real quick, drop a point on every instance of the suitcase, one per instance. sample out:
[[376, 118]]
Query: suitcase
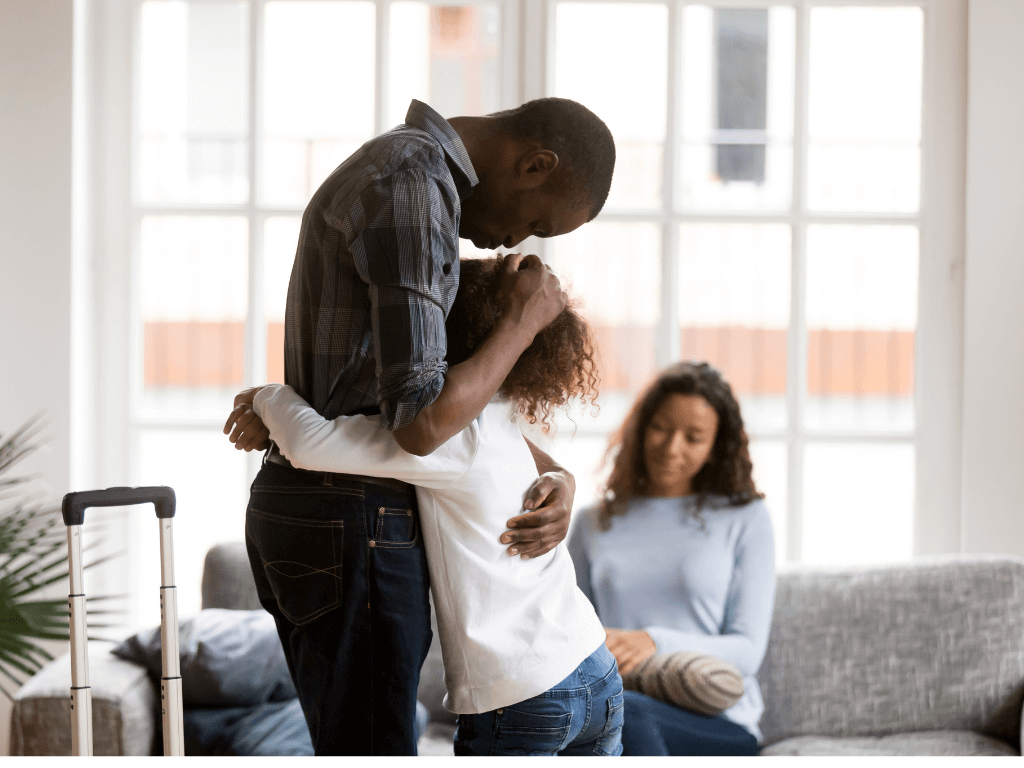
[[73, 509]]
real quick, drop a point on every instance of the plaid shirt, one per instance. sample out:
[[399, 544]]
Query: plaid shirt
[[375, 273]]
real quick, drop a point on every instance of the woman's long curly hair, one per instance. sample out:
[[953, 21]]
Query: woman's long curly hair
[[558, 366], [727, 472]]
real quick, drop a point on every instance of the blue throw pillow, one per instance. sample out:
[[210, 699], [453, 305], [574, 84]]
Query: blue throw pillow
[[228, 658]]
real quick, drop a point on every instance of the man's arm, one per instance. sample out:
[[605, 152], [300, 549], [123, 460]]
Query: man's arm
[[550, 501], [534, 298]]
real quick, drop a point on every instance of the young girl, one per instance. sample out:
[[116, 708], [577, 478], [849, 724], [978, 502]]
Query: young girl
[[526, 667]]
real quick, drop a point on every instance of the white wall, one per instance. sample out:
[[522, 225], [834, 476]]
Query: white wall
[[993, 327], [993, 429], [993, 434], [35, 234]]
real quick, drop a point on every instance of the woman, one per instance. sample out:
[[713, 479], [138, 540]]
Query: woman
[[526, 667], [679, 556]]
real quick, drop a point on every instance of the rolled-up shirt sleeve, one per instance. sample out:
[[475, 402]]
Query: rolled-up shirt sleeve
[[406, 250]]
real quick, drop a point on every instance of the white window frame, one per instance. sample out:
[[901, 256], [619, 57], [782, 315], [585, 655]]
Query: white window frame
[[255, 212], [938, 348], [527, 40]]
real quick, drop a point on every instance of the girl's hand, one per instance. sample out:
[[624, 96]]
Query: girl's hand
[[629, 648], [244, 428]]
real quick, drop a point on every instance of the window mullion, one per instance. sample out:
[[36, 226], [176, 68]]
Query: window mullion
[[511, 53], [668, 342], [538, 56], [255, 332], [796, 357], [381, 65]]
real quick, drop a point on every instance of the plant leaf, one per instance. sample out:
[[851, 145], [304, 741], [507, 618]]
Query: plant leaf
[[33, 555]]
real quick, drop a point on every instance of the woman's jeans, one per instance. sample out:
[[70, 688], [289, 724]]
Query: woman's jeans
[[655, 728], [340, 565], [582, 715]]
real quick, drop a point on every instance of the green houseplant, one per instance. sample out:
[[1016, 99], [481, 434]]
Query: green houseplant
[[33, 555]]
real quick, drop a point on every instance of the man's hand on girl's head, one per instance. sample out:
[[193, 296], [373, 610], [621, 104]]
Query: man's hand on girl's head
[[530, 294]]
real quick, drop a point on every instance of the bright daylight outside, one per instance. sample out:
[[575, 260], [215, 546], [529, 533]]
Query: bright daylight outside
[[764, 216]]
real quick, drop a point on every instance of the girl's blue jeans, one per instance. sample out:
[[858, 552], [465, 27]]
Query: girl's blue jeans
[[582, 715]]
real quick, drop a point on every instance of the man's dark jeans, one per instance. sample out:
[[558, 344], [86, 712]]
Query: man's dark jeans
[[340, 565]]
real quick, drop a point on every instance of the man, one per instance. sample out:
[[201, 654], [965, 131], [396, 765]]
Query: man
[[338, 559]]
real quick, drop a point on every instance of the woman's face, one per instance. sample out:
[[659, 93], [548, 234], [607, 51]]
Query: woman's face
[[677, 444]]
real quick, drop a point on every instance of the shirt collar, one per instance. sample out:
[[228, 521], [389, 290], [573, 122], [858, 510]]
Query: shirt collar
[[425, 118]]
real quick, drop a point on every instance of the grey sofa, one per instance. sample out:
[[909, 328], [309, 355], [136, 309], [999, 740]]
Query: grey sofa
[[125, 700], [921, 658]]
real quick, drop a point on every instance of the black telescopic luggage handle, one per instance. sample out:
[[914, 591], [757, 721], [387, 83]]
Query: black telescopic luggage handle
[[73, 510], [76, 503]]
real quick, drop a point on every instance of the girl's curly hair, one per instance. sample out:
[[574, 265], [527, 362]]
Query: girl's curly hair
[[728, 469], [558, 366]]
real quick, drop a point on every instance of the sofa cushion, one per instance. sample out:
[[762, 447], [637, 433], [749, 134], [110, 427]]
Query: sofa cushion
[[123, 701], [935, 644], [227, 578], [272, 729], [228, 658], [923, 743]]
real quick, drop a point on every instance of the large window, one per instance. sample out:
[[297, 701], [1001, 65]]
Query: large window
[[766, 215], [240, 111]]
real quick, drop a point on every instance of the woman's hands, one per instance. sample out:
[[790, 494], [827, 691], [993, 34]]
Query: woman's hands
[[629, 648], [244, 428]]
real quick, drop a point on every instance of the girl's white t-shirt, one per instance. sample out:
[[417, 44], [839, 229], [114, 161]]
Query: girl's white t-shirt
[[510, 629]]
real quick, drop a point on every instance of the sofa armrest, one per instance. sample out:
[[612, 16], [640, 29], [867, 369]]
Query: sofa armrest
[[125, 707]]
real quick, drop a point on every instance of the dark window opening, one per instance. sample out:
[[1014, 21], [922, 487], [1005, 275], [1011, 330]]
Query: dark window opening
[[741, 41]]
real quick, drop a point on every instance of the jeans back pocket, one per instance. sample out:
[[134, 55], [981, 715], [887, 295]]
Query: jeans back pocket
[[534, 727], [609, 743], [302, 560], [395, 527]]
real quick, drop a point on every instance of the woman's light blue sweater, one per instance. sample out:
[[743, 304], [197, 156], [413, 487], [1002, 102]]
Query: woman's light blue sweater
[[709, 589]]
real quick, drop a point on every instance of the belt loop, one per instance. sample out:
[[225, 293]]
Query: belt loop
[[327, 479]]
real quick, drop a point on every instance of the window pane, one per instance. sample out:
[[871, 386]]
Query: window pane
[[734, 310], [193, 303], [280, 238], [615, 270], [861, 318], [770, 459], [858, 503], [624, 83], [193, 102], [210, 483], [445, 55], [318, 100], [736, 99], [865, 109]]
